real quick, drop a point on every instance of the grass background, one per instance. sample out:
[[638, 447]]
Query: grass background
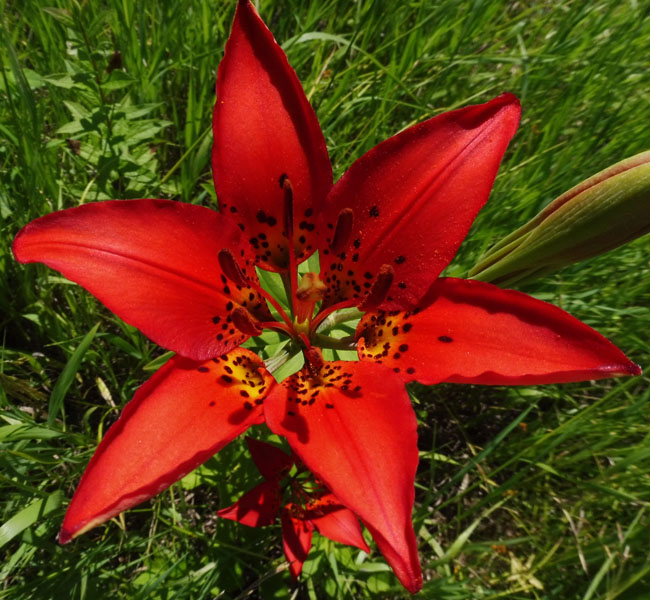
[[530, 492]]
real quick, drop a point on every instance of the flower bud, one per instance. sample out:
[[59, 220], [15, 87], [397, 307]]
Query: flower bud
[[601, 213]]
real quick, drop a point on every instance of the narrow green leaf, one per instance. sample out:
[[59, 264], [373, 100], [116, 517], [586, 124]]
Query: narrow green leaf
[[67, 376], [28, 516]]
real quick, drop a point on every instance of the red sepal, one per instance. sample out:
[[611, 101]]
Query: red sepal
[[270, 461], [414, 198], [296, 540], [468, 331], [264, 129], [336, 522], [154, 264], [177, 420], [353, 426], [257, 507]]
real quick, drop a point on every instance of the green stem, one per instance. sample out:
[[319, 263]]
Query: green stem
[[340, 316], [324, 341]]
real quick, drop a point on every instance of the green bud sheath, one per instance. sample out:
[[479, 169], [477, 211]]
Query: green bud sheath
[[601, 213]]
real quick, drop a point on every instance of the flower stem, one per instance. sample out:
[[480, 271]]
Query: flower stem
[[325, 341], [342, 316]]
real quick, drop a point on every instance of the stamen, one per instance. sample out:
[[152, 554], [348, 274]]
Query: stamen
[[233, 272], [314, 357], [231, 269], [342, 231], [242, 320], [379, 289], [285, 184]]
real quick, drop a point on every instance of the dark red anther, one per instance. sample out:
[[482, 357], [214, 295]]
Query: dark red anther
[[231, 269], [342, 231], [379, 289], [314, 358], [243, 321], [285, 184]]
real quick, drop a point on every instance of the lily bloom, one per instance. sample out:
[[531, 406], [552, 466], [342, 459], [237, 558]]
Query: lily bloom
[[184, 275], [312, 506]]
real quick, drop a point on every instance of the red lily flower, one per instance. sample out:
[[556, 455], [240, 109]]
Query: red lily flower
[[315, 508], [184, 275]]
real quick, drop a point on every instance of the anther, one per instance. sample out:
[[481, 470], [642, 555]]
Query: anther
[[379, 289], [314, 359], [342, 231], [242, 320], [285, 184], [231, 269]]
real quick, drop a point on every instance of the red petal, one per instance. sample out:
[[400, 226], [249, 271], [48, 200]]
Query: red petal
[[153, 263], [354, 428], [469, 331], [257, 507], [264, 128], [177, 420], [271, 462], [296, 539], [336, 522], [414, 198]]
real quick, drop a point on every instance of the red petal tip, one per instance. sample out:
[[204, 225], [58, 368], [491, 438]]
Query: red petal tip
[[64, 537], [629, 368]]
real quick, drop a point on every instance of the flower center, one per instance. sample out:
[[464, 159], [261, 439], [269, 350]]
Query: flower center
[[299, 322]]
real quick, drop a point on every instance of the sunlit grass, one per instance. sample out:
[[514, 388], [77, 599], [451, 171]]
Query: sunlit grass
[[533, 492]]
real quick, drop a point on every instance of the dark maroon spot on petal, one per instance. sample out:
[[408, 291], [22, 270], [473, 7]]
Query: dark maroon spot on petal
[[248, 406], [400, 259], [244, 394], [271, 221], [212, 403], [403, 347], [374, 212], [410, 370], [445, 339], [407, 327], [282, 178], [233, 209], [328, 405], [226, 379], [261, 216], [215, 320], [229, 306], [203, 370]]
